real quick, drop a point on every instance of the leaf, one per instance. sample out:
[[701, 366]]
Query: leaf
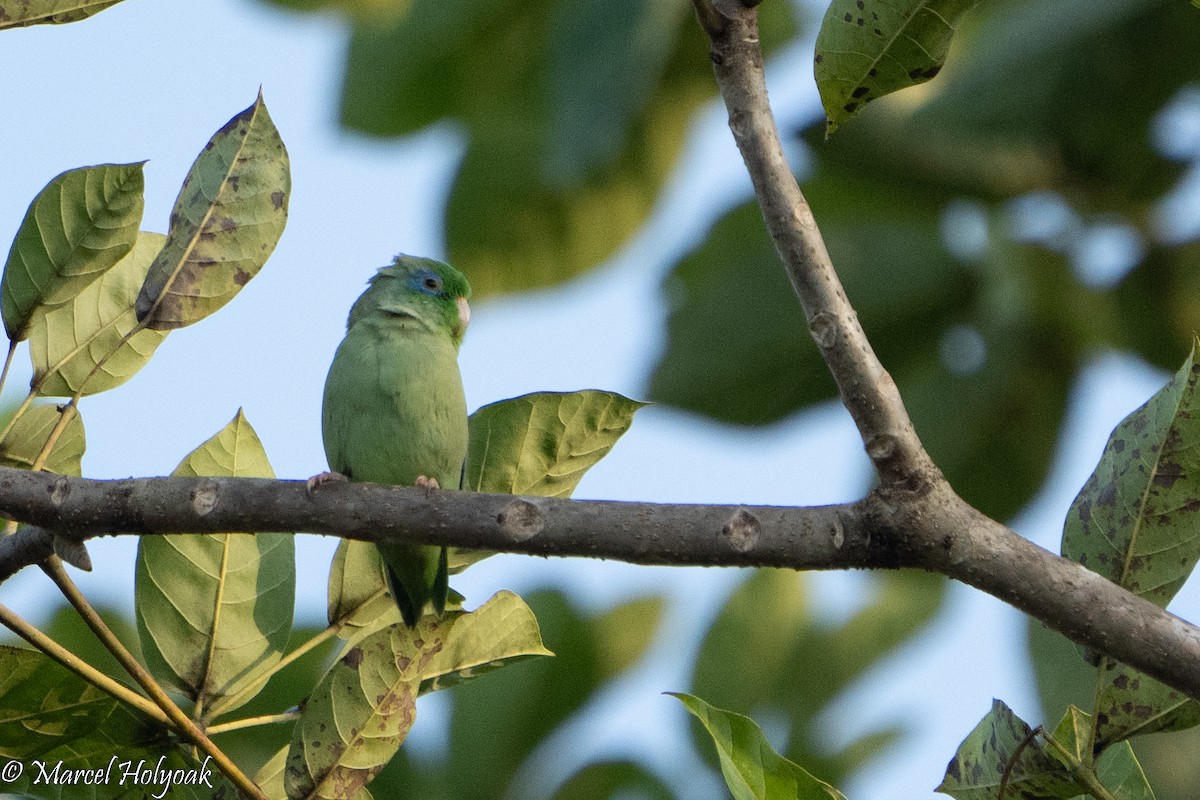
[[215, 610], [1120, 773], [43, 706], [772, 610], [977, 769], [358, 716], [627, 631], [227, 219], [1074, 732], [365, 11], [502, 631], [738, 348], [498, 723], [1082, 81], [82, 223], [1135, 520], [613, 779], [29, 434], [68, 341], [557, 174], [358, 594], [539, 444], [21, 13], [53, 720], [1130, 704], [592, 99], [869, 48], [543, 443], [269, 777], [752, 768]]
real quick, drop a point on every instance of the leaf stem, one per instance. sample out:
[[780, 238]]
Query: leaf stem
[[12, 349], [1083, 774], [234, 700], [11, 620], [21, 409], [250, 722]]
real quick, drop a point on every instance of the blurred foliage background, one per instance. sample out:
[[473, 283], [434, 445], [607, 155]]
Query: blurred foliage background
[[995, 229]]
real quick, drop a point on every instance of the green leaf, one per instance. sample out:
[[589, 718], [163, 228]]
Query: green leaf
[[869, 48], [540, 444], [613, 779], [752, 768], [977, 769], [1120, 773], [557, 175], [500, 632], [43, 706], [365, 11], [358, 595], [227, 219], [1130, 704], [82, 223], [1081, 81], [1074, 732], [20, 13], [627, 631], [1135, 521], [28, 435], [269, 777], [592, 99], [498, 723], [53, 716], [543, 443], [68, 341], [215, 610], [772, 610], [358, 716]]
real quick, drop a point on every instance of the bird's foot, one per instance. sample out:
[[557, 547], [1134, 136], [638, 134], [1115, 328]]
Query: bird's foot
[[430, 485], [316, 481]]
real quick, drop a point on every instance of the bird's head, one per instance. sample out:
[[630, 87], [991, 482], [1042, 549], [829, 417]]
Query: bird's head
[[418, 291]]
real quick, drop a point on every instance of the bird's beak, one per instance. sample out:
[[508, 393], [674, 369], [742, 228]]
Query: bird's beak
[[464, 313]]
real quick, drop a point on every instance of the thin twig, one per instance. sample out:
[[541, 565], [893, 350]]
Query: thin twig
[[250, 722], [235, 700], [12, 349]]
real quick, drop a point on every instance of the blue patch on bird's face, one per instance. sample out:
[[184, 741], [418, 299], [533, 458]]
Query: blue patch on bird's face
[[426, 281]]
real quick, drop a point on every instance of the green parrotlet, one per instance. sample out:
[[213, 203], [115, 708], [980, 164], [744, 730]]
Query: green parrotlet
[[394, 410]]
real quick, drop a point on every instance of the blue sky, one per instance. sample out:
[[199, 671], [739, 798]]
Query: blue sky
[[152, 80]]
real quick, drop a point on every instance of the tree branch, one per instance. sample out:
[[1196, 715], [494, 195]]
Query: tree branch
[[867, 390], [891, 528], [916, 512]]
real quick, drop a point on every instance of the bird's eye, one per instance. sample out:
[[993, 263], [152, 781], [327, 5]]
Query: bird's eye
[[433, 283]]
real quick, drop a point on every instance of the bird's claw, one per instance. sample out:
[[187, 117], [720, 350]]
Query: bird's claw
[[430, 485], [316, 481]]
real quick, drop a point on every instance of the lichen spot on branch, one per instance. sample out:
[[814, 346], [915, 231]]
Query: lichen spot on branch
[[521, 520], [742, 530]]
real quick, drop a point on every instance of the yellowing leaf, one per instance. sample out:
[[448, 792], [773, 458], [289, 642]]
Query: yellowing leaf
[[500, 632], [22, 13], [226, 221]]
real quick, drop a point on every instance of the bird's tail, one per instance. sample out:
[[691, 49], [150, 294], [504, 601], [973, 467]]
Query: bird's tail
[[413, 584]]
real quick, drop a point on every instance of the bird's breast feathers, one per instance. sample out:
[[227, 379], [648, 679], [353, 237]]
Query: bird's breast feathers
[[394, 409]]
